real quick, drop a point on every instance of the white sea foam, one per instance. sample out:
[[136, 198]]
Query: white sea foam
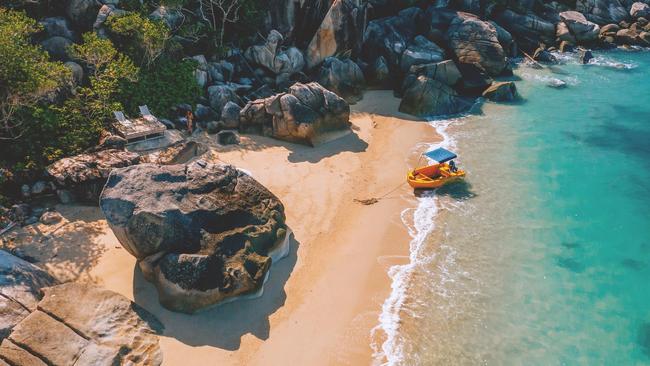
[[420, 222]]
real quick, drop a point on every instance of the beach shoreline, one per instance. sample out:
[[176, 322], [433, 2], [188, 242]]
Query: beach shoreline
[[322, 301]]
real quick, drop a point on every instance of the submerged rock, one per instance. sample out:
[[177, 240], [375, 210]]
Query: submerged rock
[[302, 115], [202, 233], [82, 325]]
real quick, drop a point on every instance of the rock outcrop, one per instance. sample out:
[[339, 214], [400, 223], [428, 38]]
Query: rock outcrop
[[421, 51], [82, 325], [20, 290], [84, 175], [580, 28], [475, 42], [529, 28], [341, 30], [342, 77], [504, 91], [638, 10], [602, 11], [388, 37], [273, 59], [301, 115], [202, 233], [427, 97]]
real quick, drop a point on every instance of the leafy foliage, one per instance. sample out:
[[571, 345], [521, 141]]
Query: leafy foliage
[[163, 86], [140, 38], [26, 74]]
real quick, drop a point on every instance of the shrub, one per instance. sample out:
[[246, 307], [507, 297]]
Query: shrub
[[142, 39]]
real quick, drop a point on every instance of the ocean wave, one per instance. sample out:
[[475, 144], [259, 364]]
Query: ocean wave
[[420, 222]]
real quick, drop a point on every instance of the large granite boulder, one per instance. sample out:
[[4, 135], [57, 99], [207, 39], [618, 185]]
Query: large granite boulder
[[388, 37], [57, 26], [220, 95], [343, 77], [602, 11], [302, 115], [582, 29], [171, 16], [529, 29], [341, 30], [20, 287], [475, 42], [504, 91], [445, 72], [57, 47], [272, 58], [81, 325], [202, 233], [427, 97], [84, 175], [421, 51], [638, 10], [82, 13]]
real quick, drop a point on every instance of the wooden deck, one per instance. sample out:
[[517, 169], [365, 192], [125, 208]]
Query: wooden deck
[[140, 129]]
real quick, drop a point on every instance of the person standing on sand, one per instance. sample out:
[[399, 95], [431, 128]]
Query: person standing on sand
[[189, 117]]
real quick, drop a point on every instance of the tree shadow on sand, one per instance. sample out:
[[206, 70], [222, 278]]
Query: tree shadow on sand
[[222, 326]]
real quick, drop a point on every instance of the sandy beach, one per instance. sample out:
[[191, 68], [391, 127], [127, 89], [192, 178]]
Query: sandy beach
[[321, 301]]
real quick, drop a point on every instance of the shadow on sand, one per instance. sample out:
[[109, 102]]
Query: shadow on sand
[[224, 325]]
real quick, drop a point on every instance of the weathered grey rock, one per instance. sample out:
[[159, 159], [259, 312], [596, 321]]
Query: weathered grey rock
[[388, 37], [505, 39], [227, 137], [639, 10], [426, 97], [556, 84], [85, 174], [82, 325], [204, 113], [57, 48], [20, 285], [602, 11], [202, 232], [529, 29], [475, 42], [104, 12], [230, 115], [609, 30], [82, 13], [381, 72], [110, 141], [585, 56], [566, 47], [504, 91], [57, 27], [446, 72], [77, 72], [543, 55], [273, 59], [627, 37], [170, 15], [421, 51], [582, 29], [220, 95], [343, 77], [341, 30], [201, 78], [39, 187], [51, 218], [564, 34], [302, 115]]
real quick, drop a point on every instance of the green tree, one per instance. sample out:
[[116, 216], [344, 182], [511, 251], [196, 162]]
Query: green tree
[[144, 40], [26, 74]]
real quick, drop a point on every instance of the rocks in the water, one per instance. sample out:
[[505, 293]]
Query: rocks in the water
[[202, 233], [505, 91], [602, 11], [421, 51], [82, 325], [475, 42], [85, 174], [556, 84], [627, 36], [20, 290], [582, 29], [543, 55], [341, 30], [273, 59], [639, 10], [303, 114], [427, 97], [585, 56], [343, 77], [227, 137]]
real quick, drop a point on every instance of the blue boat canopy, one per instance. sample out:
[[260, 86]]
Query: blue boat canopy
[[440, 155]]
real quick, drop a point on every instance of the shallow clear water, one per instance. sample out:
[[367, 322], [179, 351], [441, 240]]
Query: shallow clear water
[[543, 257]]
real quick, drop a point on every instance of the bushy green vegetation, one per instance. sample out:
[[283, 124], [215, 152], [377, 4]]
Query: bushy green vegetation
[[143, 40]]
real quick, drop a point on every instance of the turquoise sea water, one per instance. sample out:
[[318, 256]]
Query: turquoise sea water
[[543, 257]]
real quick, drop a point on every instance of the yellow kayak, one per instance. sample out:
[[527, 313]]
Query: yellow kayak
[[433, 176]]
